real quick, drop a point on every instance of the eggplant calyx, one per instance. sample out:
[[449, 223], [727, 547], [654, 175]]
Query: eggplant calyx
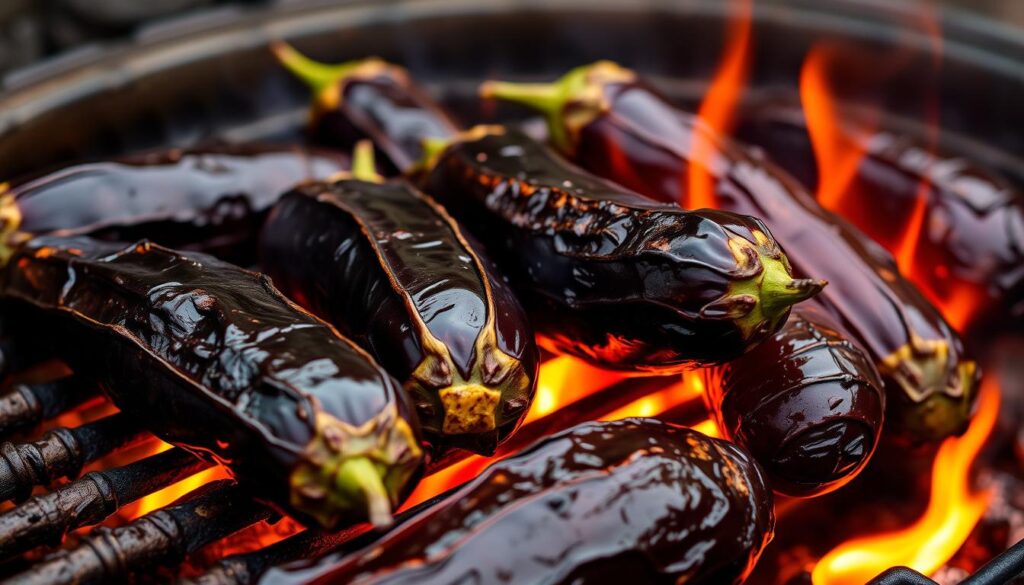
[[10, 221], [569, 104], [936, 399], [324, 79], [759, 300], [434, 148], [469, 408], [355, 473]]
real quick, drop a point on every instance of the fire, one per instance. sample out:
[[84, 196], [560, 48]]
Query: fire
[[718, 108], [566, 380], [658, 402], [837, 152], [906, 249], [953, 511], [172, 492]]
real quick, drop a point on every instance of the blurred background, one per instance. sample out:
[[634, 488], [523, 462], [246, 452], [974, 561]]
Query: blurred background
[[33, 29]]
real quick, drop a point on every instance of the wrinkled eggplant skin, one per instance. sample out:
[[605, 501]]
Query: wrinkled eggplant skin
[[209, 356], [644, 147], [389, 109], [972, 234], [588, 257], [635, 499], [212, 200], [808, 404], [317, 247]]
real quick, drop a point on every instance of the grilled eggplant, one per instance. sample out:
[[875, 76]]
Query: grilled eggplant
[[615, 125], [611, 276], [970, 248], [369, 98], [211, 200], [213, 358], [393, 271], [635, 499], [808, 404]]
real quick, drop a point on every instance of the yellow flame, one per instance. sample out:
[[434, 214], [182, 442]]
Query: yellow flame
[[953, 511], [564, 380]]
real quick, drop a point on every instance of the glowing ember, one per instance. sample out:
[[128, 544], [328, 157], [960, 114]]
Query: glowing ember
[[172, 492], [656, 402], [718, 108], [564, 380], [953, 511]]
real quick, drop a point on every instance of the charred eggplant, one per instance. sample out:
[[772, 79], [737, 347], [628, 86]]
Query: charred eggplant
[[610, 276], [635, 499], [393, 271], [614, 124], [211, 200], [972, 236], [808, 404], [213, 358]]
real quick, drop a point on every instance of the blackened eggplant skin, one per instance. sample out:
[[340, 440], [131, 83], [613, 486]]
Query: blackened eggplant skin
[[972, 227], [615, 125], [211, 200], [212, 358], [631, 500], [393, 271], [610, 276], [807, 404], [369, 98]]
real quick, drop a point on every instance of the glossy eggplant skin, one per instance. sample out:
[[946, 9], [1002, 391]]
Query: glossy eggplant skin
[[635, 499], [393, 271], [212, 358], [369, 99], [971, 244], [807, 404], [625, 130], [608, 275], [211, 200]]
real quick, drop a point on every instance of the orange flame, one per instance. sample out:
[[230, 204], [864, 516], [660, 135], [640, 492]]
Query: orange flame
[[564, 378], [906, 249], [953, 511], [169, 494], [837, 153], [717, 110]]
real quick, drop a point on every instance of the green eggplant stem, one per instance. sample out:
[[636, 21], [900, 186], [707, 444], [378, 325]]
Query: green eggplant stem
[[549, 99], [318, 76], [775, 291], [360, 479], [364, 166]]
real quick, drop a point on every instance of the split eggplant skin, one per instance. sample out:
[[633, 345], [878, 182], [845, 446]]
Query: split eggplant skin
[[212, 200], [632, 500], [394, 272], [612, 123], [808, 404], [608, 275], [212, 358], [973, 223]]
